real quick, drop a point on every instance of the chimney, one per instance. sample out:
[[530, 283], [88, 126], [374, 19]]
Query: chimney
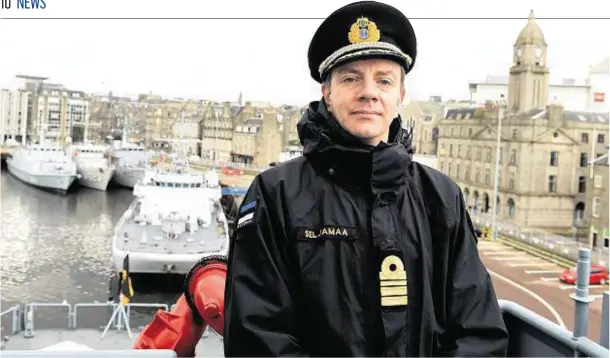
[[554, 113]]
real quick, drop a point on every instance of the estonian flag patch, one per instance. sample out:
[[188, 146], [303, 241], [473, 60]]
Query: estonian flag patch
[[246, 214]]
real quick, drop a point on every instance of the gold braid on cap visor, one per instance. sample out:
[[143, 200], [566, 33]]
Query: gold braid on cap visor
[[364, 48]]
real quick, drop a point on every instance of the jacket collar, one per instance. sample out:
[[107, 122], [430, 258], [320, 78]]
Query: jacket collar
[[347, 160]]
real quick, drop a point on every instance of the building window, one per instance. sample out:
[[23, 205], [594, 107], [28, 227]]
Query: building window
[[511, 208], [597, 181], [488, 155], [511, 181], [582, 184], [513, 156], [451, 149], [457, 172], [478, 153], [601, 138], [487, 176], [449, 169], [476, 175], [552, 183], [554, 159], [595, 209], [579, 211], [467, 172], [584, 137], [468, 153], [583, 160]]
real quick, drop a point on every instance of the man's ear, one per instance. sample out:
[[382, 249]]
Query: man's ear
[[325, 89], [403, 93]]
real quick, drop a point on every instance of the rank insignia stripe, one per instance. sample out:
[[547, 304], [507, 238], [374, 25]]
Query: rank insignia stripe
[[393, 291], [327, 232], [394, 301], [393, 282]]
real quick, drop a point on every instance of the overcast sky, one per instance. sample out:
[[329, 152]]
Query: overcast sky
[[266, 59]]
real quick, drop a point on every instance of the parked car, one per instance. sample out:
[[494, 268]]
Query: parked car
[[598, 275]]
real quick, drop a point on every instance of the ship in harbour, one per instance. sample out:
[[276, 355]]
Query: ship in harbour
[[176, 218], [94, 165], [131, 163], [45, 165]]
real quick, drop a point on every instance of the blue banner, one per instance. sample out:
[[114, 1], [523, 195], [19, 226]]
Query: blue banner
[[234, 191]]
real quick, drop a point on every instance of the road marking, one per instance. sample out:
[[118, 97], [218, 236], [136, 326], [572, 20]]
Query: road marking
[[491, 248], [573, 287], [529, 264], [529, 292], [549, 279], [513, 258], [530, 272], [490, 245], [501, 253]]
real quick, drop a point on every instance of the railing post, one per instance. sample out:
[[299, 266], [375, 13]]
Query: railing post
[[603, 338], [29, 321], [581, 296]]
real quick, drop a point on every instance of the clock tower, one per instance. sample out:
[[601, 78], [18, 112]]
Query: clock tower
[[528, 85]]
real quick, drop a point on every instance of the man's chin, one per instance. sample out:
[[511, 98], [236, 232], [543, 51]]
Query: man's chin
[[366, 136]]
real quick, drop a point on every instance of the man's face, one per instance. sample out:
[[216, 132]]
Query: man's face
[[364, 96]]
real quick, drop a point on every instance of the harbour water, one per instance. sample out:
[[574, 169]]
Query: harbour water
[[58, 247]]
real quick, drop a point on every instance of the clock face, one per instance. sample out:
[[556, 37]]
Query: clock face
[[537, 52]]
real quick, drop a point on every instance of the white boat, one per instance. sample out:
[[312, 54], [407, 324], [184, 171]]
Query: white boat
[[132, 163], [94, 164], [47, 166], [176, 219]]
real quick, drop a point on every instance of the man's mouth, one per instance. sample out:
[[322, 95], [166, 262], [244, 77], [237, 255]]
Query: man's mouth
[[366, 113]]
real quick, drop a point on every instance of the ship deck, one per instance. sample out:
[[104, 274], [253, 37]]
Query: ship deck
[[210, 346], [210, 237], [20, 333]]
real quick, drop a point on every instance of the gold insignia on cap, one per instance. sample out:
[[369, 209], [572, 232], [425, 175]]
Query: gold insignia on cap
[[393, 282], [363, 30]]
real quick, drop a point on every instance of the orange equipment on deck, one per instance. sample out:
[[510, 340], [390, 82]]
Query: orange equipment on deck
[[202, 304]]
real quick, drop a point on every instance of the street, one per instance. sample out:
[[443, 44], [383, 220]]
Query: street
[[534, 284]]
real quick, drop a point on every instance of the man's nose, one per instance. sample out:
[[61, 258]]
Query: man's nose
[[369, 90]]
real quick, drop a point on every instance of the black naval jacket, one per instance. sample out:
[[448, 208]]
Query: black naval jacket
[[304, 275]]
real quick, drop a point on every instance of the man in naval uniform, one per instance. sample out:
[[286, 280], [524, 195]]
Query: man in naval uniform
[[354, 249]]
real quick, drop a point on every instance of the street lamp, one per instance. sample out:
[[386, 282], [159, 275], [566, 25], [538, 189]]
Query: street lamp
[[497, 172]]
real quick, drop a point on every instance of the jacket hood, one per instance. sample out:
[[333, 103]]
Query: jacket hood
[[324, 141]]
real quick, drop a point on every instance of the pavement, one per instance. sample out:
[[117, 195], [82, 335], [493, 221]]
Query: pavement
[[534, 284]]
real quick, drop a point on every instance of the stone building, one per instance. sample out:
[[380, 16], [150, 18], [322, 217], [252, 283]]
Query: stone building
[[544, 150], [597, 207]]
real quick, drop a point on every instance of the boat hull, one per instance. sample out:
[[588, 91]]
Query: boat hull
[[155, 263], [92, 177], [128, 177], [60, 182]]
